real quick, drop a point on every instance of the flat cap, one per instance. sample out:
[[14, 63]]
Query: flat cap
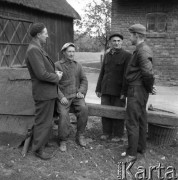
[[66, 45], [138, 28], [36, 28], [115, 34]]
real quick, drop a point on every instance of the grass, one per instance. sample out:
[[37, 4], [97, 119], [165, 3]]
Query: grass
[[96, 65], [88, 57]]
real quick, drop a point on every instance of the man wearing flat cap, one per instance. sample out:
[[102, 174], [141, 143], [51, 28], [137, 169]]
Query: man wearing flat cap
[[140, 80], [111, 86], [72, 90], [44, 88]]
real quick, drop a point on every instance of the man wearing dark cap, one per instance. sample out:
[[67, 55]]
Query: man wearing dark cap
[[72, 90], [140, 79], [111, 86], [44, 88]]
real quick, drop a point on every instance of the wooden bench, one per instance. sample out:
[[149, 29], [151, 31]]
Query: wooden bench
[[162, 126], [17, 105], [161, 118]]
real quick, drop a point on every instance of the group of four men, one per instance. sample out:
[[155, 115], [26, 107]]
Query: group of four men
[[122, 75]]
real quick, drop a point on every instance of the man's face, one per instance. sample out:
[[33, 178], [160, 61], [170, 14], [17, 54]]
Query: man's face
[[133, 38], [116, 42], [69, 53], [43, 35]]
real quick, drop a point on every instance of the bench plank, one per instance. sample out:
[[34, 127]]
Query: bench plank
[[162, 118]]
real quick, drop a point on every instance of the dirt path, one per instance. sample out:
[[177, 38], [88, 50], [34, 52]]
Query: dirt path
[[96, 162], [166, 97]]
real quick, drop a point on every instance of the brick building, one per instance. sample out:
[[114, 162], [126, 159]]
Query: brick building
[[161, 20]]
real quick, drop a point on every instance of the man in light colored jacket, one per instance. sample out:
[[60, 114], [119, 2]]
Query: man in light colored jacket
[[72, 90]]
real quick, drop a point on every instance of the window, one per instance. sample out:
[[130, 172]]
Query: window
[[156, 22], [14, 40]]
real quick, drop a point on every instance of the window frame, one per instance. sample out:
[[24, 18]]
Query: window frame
[[156, 15], [7, 44]]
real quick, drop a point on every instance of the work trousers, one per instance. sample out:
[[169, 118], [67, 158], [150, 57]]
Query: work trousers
[[136, 119], [80, 110], [110, 126], [43, 123]]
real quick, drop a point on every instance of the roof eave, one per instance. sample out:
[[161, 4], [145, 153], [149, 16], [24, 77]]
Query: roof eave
[[74, 15]]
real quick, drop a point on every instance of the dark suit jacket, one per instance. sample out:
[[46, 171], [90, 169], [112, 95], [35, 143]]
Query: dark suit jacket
[[140, 68], [111, 80], [42, 72]]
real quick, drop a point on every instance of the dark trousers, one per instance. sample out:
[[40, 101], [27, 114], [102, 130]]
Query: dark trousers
[[136, 119], [81, 112], [43, 123], [110, 126]]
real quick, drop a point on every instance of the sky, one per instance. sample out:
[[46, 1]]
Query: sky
[[79, 5]]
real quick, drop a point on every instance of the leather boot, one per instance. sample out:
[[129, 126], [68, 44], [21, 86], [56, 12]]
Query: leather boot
[[63, 146], [49, 145], [42, 155], [104, 137], [129, 159], [81, 140], [116, 139]]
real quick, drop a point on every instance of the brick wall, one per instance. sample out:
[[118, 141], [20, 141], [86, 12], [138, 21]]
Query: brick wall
[[165, 47]]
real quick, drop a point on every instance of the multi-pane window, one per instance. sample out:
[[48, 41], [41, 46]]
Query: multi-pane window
[[14, 40], [156, 22]]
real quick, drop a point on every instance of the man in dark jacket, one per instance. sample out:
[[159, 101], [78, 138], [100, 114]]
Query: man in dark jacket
[[44, 88], [111, 85], [140, 79], [72, 90]]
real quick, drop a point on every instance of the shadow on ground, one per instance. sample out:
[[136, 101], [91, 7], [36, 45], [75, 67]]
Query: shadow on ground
[[98, 161]]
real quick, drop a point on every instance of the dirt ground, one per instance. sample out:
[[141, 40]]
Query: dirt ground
[[98, 161]]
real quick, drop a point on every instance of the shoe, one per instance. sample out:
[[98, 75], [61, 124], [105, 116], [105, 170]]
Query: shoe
[[49, 145], [42, 155], [104, 137], [81, 140], [116, 139], [141, 151], [128, 159], [63, 146]]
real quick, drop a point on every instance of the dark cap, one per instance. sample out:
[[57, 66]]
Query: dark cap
[[66, 45], [138, 28], [115, 34], [36, 28]]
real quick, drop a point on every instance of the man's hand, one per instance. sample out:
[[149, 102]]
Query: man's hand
[[60, 77], [80, 95], [64, 101], [154, 91], [98, 94], [59, 73]]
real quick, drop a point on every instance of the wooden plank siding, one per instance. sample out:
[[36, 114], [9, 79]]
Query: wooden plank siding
[[60, 28]]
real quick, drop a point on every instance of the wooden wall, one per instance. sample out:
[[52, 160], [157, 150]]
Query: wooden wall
[[60, 28]]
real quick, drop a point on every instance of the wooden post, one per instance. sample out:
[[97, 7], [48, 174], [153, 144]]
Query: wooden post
[[101, 59]]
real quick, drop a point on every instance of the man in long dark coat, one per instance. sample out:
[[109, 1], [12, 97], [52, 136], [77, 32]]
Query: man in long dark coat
[[44, 88], [111, 85]]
